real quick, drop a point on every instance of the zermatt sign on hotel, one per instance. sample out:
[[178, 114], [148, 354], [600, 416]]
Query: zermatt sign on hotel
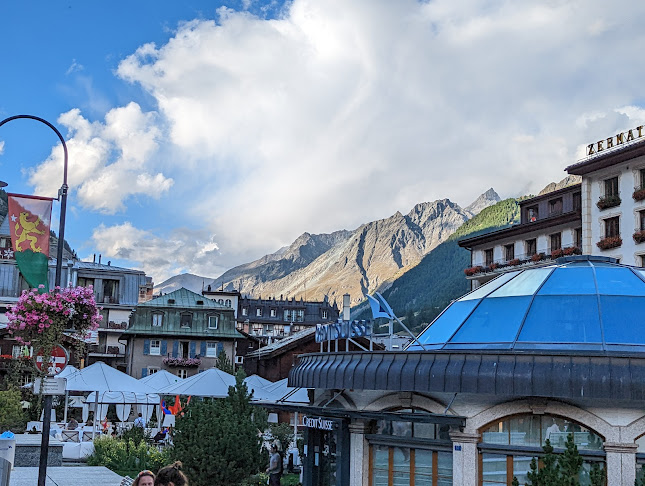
[[616, 140]]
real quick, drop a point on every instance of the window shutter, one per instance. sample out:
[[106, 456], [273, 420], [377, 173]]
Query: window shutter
[[202, 349], [144, 372], [146, 346], [192, 349], [164, 347], [220, 348], [175, 349]]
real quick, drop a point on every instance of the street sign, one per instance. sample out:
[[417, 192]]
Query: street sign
[[50, 386], [57, 363]]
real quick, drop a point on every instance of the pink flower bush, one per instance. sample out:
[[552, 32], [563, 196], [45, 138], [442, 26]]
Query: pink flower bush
[[41, 319], [187, 362]]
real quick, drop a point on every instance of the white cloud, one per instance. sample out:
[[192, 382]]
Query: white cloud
[[162, 256], [107, 162], [74, 67]]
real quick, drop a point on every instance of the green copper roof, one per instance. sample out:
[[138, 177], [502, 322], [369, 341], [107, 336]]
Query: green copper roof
[[185, 299]]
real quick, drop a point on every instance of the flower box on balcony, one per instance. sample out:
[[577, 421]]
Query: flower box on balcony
[[514, 262], [493, 266], [610, 242], [572, 250], [608, 202], [639, 194], [557, 253], [473, 270], [538, 257], [639, 236], [183, 362]]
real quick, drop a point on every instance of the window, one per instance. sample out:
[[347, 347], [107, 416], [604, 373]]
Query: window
[[509, 252], [152, 370], [324, 314], [555, 206], [228, 303], [273, 312], [111, 291], [278, 330], [186, 320], [532, 214], [258, 329], [577, 201], [531, 247], [641, 220], [642, 260], [577, 237], [641, 179], [488, 256], [17, 351], [183, 349], [85, 282], [155, 347], [245, 311], [556, 241], [183, 374], [258, 312], [211, 350], [427, 467], [157, 319], [300, 315], [612, 227], [611, 187], [220, 301], [212, 322]]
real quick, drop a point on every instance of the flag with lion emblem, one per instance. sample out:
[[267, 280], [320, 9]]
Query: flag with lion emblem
[[30, 218]]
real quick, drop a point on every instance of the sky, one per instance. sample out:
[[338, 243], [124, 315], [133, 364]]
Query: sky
[[203, 135]]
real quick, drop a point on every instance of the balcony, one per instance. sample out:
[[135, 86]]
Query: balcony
[[520, 261], [182, 362], [610, 242], [105, 350]]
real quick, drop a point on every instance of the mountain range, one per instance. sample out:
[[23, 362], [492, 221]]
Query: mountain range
[[357, 262]]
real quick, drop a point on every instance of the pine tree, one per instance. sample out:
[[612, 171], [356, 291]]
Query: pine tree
[[570, 464], [549, 473], [224, 364], [597, 475]]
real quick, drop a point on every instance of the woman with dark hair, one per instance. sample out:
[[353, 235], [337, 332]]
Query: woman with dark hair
[[171, 476], [144, 478]]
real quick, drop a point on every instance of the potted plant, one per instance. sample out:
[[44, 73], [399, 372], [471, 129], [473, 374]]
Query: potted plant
[[557, 253], [572, 250], [514, 262], [40, 319], [639, 236], [608, 202], [639, 194], [473, 270], [536, 257], [185, 362], [610, 242]]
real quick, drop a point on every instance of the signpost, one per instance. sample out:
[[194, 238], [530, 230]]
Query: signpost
[[57, 363]]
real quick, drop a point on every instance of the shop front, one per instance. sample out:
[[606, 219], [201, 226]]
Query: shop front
[[326, 451]]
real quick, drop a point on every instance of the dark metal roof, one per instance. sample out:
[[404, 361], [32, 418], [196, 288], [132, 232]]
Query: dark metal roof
[[607, 158], [556, 375]]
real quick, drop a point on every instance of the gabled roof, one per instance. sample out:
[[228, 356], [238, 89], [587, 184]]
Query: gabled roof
[[283, 344], [185, 299]]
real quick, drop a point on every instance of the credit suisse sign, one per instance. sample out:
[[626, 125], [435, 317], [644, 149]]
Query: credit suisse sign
[[317, 423], [343, 330]]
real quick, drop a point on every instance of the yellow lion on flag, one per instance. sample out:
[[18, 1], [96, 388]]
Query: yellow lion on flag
[[28, 227]]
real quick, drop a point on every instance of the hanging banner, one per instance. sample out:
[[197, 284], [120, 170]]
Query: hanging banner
[[30, 220]]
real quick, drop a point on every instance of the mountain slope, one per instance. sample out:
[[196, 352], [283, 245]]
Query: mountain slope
[[425, 290]]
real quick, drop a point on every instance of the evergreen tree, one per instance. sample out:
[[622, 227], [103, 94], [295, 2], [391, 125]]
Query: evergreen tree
[[224, 364], [219, 441], [549, 473], [597, 475], [570, 464], [11, 414]]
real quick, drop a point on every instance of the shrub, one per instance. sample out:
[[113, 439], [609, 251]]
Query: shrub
[[11, 415], [125, 457]]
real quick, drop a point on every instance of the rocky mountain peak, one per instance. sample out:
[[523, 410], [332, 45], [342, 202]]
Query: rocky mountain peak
[[566, 182], [486, 199]]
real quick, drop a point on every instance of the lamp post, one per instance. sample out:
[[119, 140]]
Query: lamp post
[[62, 194]]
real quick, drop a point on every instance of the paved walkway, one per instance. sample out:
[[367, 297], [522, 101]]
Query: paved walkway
[[66, 476]]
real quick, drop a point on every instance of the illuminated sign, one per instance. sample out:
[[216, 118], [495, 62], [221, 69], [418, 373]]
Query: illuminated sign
[[317, 423], [343, 330], [615, 141]]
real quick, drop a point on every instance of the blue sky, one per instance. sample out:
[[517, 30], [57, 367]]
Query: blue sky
[[203, 135]]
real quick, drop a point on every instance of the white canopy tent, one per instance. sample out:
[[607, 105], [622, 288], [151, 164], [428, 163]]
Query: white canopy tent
[[210, 383], [160, 379], [258, 386], [288, 394]]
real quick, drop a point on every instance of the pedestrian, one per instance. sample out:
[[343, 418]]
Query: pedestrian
[[171, 476], [139, 422], [275, 466], [144, 478]]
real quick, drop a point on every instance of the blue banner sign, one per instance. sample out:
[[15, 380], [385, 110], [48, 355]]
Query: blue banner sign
[[343, 330]]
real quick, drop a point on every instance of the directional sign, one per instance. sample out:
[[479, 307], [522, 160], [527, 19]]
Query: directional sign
[[57, 363], [50, 386]]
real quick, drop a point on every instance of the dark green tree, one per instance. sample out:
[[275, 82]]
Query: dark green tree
[[640, 478], [224, 364], [549, 473], [11, 414], [219, 440], [597, 475], [570, 463]]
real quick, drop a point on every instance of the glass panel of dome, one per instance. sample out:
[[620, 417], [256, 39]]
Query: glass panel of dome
[[488, 287], [619, 281], [567, 280], [494, 320], [562, 319], [524, 284], [620, 318], [447, 323]]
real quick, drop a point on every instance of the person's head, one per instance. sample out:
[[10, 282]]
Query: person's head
[[144, 478], [274, 448], [140, 415], [171, 476]]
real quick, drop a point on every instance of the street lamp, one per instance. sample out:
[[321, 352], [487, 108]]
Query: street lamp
[[62, 195]]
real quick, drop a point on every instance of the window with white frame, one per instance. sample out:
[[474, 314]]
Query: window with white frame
[[273, 312], [212, 322], [183, 374], [245, 311], [157, 320], [152, 370], [258, 312], [155, 347], [228, 303], [211, 350], [324, 314], [16, 351], [300, 315]]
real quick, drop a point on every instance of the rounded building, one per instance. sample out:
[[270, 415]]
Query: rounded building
[[535, 354]]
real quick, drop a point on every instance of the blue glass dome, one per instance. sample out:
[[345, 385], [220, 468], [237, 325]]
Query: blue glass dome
[[578, 303]]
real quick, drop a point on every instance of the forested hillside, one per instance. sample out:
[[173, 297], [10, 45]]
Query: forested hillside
[[425, 290]]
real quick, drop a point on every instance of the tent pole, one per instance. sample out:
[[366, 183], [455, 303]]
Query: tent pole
[[96, 406], [65, 412]]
